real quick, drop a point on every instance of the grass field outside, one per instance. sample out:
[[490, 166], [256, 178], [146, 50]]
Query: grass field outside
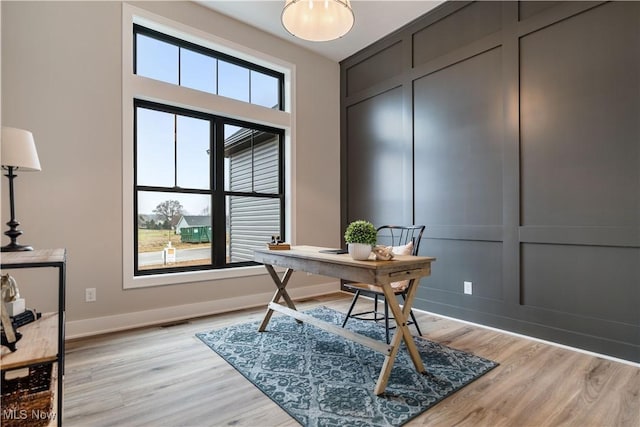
[[156, 240]]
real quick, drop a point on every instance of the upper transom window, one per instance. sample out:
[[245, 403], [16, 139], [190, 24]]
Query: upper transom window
[[171, 60]]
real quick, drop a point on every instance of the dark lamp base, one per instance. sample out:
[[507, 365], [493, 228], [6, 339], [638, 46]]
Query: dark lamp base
[[14, 247]]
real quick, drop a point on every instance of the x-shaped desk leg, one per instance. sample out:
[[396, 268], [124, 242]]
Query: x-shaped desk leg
[[280, 293], [402, 333]]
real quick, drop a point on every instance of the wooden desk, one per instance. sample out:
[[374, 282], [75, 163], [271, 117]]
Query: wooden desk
[[380, 273]]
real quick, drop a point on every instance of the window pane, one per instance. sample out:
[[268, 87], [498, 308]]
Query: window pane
[[197, 71], [264, 90], [193, 136], [266, 173], [251, 160], [155, 148], [238, 158], [156, 59], [233, 81], [251, 223], [182, 219]]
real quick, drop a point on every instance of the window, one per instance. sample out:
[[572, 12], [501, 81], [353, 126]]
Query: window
[[203, 174], [190, 216], [171, 60]]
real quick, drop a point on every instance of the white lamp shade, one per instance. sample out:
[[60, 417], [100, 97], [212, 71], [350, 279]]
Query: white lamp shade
[[317, 20], [19, 150]]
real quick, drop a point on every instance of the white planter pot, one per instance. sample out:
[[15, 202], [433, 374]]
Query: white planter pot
[[359, 251]]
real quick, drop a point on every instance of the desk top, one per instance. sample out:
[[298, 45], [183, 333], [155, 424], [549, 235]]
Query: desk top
[[342, 266]]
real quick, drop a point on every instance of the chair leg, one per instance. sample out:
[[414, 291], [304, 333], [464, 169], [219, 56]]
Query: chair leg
[[415, 322], [375, 308], [413, 317], [386, 320], [353, 304]]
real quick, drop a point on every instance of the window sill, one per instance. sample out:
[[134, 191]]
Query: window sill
[[192, 277]]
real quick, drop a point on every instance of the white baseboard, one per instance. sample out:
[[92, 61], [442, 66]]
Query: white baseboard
[[119, 322]]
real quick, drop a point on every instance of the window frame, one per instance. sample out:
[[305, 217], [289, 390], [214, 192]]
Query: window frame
[[140, 29], [217, 193], [139, 87]]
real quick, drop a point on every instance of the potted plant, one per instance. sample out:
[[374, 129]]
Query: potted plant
[[361, 236]]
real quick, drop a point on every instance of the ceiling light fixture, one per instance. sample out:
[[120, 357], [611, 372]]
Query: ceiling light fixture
[[317, 20]]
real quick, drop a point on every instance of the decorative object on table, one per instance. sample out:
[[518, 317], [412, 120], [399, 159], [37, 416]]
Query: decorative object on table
[[276, 244], [403, 240], [8, 293], [21, 319], [279, 246], [360, 236], [28, 316], [383, 253], [4, 339], [320, 378], [11, 296], [317, 20], [18, 153]]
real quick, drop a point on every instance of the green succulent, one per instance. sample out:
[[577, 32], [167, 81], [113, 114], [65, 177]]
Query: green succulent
[[361, 231]]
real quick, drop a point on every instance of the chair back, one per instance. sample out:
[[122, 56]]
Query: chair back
[[399, 235]]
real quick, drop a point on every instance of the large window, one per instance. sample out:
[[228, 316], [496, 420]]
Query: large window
[[207, 180], [208, 189]]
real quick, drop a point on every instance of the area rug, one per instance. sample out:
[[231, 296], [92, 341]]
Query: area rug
[[322, 379]]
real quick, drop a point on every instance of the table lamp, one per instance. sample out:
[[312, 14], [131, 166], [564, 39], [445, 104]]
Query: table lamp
[[18, 153]]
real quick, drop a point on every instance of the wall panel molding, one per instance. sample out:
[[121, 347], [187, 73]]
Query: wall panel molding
[[489, 233], [471, 22], [461, 54], [384, 65], [373, 91], [590, 236], [549, 16]]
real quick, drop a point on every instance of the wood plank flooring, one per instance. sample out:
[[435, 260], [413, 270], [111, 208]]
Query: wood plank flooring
[[165, 376]]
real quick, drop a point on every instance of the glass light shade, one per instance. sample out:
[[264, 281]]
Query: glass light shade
[[19, 150], [317, 20]]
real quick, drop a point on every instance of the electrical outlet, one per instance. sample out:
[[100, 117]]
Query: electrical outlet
[[468, 288], [90, 294]]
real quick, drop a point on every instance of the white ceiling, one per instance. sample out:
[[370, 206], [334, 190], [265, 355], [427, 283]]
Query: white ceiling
[[374, 20]]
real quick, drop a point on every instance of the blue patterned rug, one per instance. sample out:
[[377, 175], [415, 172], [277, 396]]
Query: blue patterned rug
[[322, 379]]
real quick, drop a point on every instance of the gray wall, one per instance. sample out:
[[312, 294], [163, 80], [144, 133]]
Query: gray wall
[[512, 131]]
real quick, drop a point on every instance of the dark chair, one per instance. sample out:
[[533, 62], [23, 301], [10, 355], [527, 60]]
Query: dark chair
[[406, 241]]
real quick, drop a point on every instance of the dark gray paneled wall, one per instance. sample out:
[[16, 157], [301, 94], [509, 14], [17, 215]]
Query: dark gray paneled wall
[[388, 183], [512, 130]]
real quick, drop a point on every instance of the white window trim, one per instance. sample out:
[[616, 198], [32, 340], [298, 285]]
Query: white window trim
[[134, 86]]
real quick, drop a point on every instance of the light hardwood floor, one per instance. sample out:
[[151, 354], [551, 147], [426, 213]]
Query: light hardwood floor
[[165, 376]]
